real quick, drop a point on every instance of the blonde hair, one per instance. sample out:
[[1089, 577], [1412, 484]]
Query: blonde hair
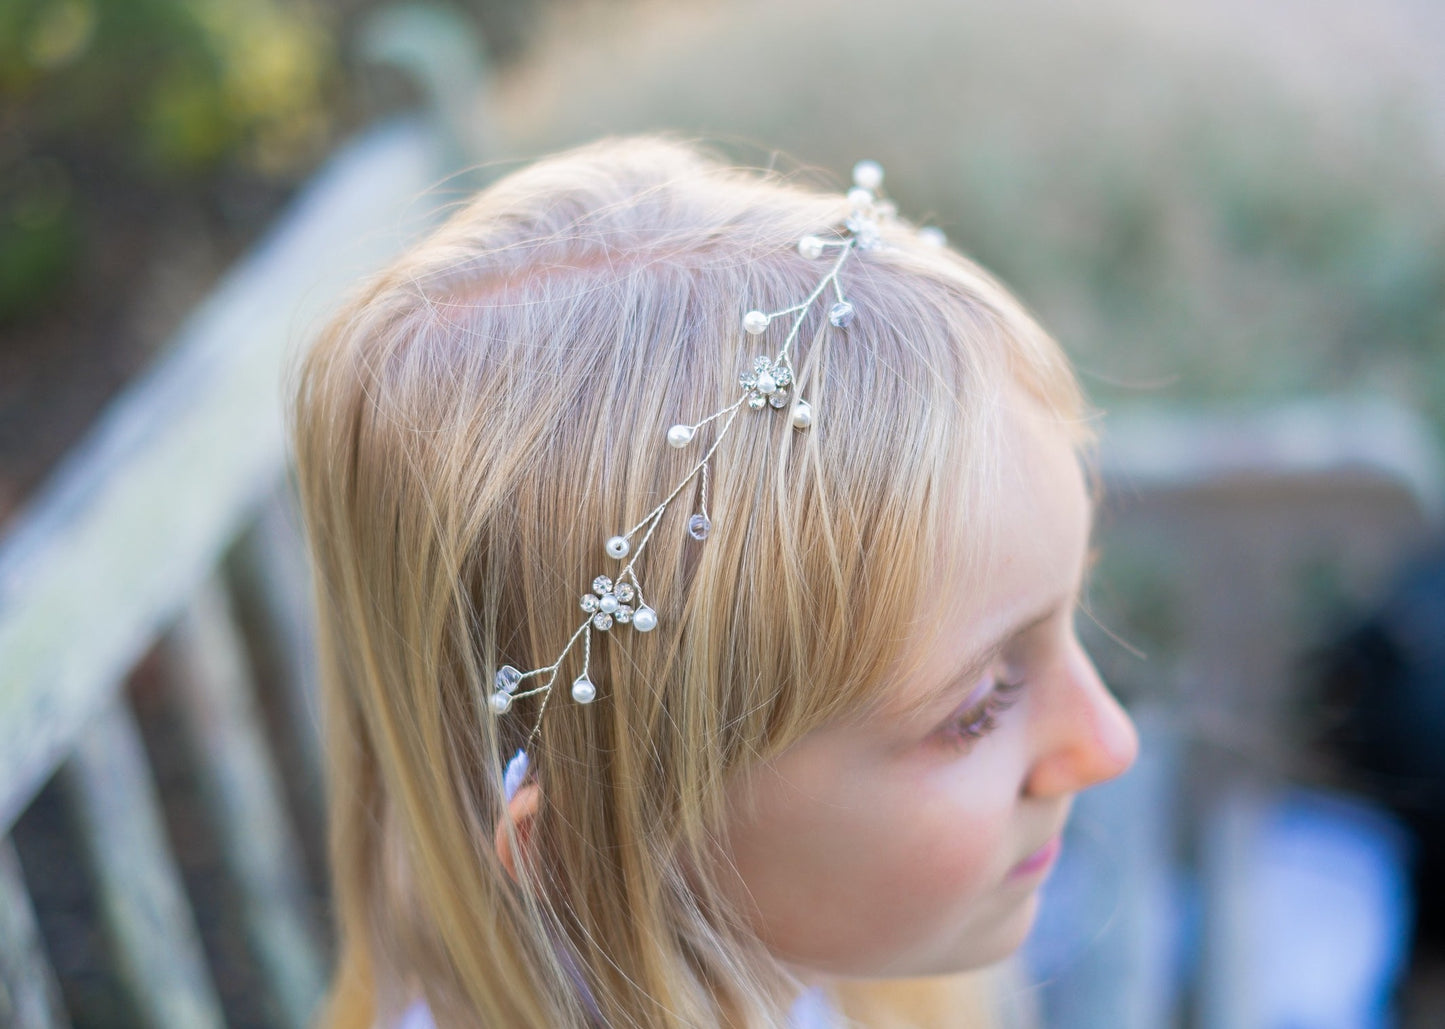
[[468, 432]]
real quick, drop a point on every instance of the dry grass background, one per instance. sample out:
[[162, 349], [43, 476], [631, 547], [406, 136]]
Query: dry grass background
[[1223, 200]]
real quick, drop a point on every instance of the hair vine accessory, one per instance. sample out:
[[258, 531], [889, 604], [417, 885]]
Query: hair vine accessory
[[770, 384]]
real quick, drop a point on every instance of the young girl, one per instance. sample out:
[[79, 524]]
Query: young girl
[[785, 642]]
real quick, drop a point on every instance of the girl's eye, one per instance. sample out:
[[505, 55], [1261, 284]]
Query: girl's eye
[[981, 719]]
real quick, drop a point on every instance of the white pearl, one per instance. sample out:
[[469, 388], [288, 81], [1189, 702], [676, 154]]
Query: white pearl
[[868, 175], [679, 435], [859, 198], [802, 414], [607, 604], [644, 619], [583, 691], [755, 322], [810, 247], [766, 383], [932, 235], [501, 702], [618, 546]]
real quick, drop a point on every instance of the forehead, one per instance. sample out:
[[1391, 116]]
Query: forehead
[[1021, 541]]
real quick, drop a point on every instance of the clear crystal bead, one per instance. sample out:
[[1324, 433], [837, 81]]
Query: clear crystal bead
[[624, 592], [589, 603], [698, 526], [508, 678], [602, 621], [601, 585], [841, 314], [623, 614]]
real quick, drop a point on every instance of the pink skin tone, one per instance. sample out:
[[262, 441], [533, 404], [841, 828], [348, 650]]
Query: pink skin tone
[[913, 845]]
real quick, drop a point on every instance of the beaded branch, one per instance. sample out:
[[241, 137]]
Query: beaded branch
[[770, 384]]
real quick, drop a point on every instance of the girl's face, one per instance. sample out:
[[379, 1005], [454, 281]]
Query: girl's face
[[914, 844]]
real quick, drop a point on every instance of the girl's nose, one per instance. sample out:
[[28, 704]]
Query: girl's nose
[[1087, 737]]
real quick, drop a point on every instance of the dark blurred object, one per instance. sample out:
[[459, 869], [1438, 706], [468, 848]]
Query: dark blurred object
[[1384, 681]]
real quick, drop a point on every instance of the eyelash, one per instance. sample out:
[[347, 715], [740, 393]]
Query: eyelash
[[981, 719]]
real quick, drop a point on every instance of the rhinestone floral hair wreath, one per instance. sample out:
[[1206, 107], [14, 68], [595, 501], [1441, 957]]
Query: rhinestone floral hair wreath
[[770, 384]]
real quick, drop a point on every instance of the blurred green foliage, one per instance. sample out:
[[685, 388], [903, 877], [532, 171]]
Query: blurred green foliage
[[165, 91]]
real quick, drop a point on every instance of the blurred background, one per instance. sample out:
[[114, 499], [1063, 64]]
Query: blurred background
[[1229, 212]]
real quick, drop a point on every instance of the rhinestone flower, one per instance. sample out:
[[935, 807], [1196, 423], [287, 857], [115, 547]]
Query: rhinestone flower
[[767, 383], [608, 602]]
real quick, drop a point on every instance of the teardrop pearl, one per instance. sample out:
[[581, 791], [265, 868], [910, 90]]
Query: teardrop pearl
[[802, 414], [679, 435], [583, 691], [766, 383]]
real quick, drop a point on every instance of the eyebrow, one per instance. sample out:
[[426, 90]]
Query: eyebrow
[[979, 662]]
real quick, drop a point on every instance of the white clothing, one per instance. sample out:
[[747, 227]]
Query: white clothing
[[810, 1011]]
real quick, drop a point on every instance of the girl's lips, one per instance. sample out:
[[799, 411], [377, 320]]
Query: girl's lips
[[1039, 860]]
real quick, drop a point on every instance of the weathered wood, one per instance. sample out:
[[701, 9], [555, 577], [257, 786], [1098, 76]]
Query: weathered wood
[[271, 582], [142, 510], [29, 995], [141, 896], [244, 798]]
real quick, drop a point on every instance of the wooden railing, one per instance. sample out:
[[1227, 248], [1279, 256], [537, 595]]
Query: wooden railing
[[169, 518]]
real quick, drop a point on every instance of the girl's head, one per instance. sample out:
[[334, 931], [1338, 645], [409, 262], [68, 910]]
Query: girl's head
[[849, 746]]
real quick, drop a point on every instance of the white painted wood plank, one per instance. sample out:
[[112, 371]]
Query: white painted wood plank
[[142, 900], [244, 799], [143, 509]]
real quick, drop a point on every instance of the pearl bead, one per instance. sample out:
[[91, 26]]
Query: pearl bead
[[679, 435], [766, 383], [618, 547], [583, 691], [802, 414], [755, 322], [810, 247], [859, 198], [868, 175], [841, 314], [644, 619], [607, 604], [932, 235], [501, 702]]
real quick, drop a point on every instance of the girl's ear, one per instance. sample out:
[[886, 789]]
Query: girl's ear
[[522, 811]]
